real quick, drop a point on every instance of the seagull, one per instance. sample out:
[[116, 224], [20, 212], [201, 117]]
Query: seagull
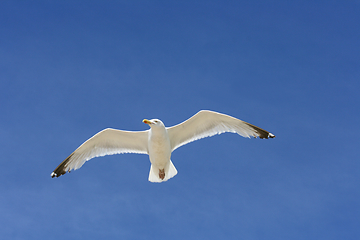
[[158, 141]]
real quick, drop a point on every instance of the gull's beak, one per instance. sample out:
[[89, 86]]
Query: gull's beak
[[147, 121]]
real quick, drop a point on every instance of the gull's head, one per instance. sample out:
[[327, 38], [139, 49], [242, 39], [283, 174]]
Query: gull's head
[[154, 123]]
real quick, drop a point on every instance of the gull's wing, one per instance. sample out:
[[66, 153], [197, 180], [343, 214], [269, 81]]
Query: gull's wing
[[208, 123], [107, 142]]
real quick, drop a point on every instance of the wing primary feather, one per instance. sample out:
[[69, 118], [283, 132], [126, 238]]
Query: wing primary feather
[[261, 132], [61, 169]]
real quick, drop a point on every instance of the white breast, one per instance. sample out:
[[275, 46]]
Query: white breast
[[159, 147]]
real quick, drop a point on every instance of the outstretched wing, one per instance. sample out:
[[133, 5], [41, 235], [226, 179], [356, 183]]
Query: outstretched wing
[[107, 142], [208, 123]]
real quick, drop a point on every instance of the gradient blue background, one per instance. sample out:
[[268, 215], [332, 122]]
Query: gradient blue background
[[72, 68]]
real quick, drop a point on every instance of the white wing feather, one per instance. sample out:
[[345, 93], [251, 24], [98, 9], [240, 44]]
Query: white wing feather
[[208, 123], [107, 142]]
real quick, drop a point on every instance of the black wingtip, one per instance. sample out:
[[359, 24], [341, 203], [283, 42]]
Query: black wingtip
[[262, 133], [267, 136], [271, 135], [60, 170], [56, 173]]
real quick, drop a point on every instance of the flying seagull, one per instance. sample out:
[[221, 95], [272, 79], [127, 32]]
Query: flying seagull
[[158, 141]]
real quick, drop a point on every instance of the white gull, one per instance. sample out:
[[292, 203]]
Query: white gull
[[158, 141]]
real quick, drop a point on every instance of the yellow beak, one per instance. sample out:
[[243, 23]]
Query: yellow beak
[[146, 121]]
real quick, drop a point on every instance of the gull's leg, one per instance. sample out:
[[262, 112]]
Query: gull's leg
[[162, 173]]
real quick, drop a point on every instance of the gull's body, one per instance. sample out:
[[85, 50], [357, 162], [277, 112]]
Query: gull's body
[[159, 150], [158, 142]]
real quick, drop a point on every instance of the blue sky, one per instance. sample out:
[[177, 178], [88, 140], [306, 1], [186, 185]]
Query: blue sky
[[72, 68]]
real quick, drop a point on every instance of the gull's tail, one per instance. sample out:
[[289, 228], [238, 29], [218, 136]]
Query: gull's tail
[[162, 175]]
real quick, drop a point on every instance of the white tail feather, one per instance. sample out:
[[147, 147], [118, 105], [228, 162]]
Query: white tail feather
[[170, 171]]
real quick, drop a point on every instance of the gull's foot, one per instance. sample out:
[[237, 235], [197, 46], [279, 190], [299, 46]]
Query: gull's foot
[[162, 174]]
